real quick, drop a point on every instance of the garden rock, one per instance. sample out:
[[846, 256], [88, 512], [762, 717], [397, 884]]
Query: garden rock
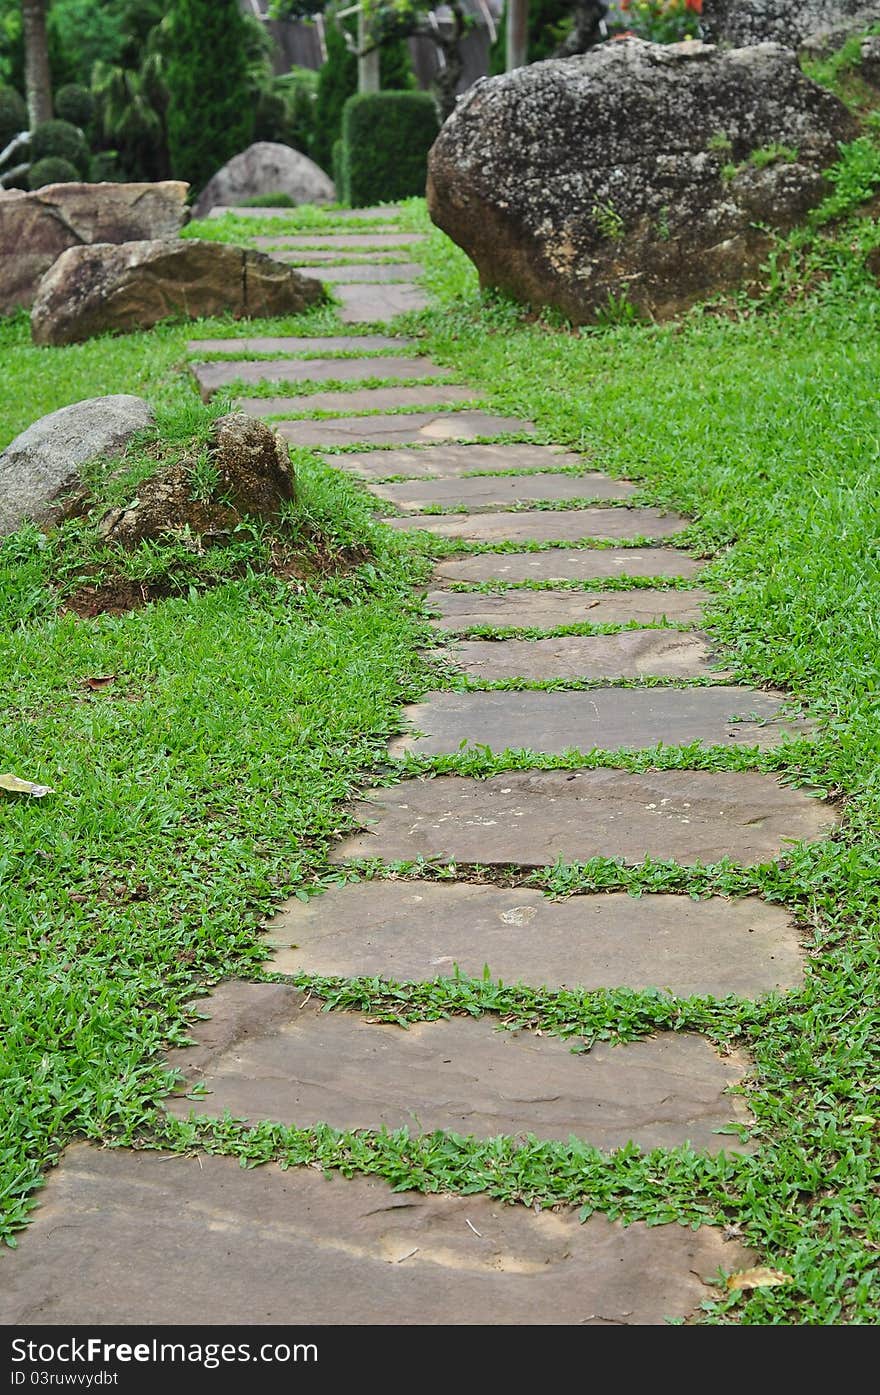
[[630, 180], [93, 290], [252, 477], [36, 228], [266, 168], [42, 465], [815, 24]]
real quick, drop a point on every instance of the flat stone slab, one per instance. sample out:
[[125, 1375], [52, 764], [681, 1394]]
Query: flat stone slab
[[122, 1237], [393, 430], [300, 344], [358, 400], [359, 273], [607, 719], [529, 818], [630, 654], [373, 304], [416, 931], [495, 492], [565, 564], [547, 525], [333, 243], [460, 611], [448, 461], [268, 1051], [211, 376], [338, 215]]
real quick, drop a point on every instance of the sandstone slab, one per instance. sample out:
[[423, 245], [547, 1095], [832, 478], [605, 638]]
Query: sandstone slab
[[459, 611], [415, 931], [532, 817], [377, 239], [122, 1238], [601, 718], [401, 430], [386, 399], [359, 273], [495, 492], [266, 167], [548, 525], [300, 344], [629, 654], [268, 1051], [565, 564], [363, 304], [211, 376], [450, 461]]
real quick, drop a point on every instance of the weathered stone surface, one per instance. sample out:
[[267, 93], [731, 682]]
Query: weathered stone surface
[[630, 654], [565, 564], [401, 430], [267, 1051], [44, 462], [341, 215], [122, 1237], [451, 461], [375, 304], [488, 492], [254, 479], [360, 273], [267, 167], [574, 182], [740, 22], [300, 344], [378, 239], [36, 228], [547, 610], [605, 718], [533, 817], [547, 525], [211, 376], [386, 399], [417, 930], [91, 290]]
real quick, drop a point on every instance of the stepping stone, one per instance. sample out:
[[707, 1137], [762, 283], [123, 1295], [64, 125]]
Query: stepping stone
[[460, 611], [608, 719], [121, 1237], [342, 215], [309, 256], [399, 430], [268, 1051], [451, 461], [563, 564], [532, 817], [494, 492], [387, 399], [300, 344], [211, 376], [361, 273], [373, 304], [630, 654], [416, 931], [334, 243], [547, 525]]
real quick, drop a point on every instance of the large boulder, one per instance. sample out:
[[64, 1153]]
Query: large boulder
[[36, 228], [266, 168], [42, 465], [817, 24], [636, 171], [93, 290]]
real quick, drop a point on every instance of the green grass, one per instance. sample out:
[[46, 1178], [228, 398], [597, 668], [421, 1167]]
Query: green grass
[[206, 783]]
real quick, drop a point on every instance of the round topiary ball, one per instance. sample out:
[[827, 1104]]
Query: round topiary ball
[[75, 104], [52, 170], [13, 115], [62, 140]]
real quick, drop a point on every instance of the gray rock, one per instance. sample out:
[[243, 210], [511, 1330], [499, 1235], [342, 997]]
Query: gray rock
[[36, 228], [44, 461], [869, 60], [93, 290], [791, 22], [266, 167], [574, 183]]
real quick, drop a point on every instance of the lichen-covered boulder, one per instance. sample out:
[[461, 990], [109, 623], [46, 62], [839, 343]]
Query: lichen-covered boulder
[[94, 290], [253, 465], [816, 23], [266, 167], [637, 171]]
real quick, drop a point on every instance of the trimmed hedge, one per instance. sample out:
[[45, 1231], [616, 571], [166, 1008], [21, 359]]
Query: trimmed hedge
[[52, 170], [75, 104], [61, 140], [13, 115], [386, 137]]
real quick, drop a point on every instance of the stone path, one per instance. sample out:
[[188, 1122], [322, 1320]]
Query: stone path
[[125, 1235]]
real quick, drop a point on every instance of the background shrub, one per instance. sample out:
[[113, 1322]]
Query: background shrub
[[337, 81], [13, 115], [75, 104], [61, 140], [386, 137], [210, 111], [52, 170]]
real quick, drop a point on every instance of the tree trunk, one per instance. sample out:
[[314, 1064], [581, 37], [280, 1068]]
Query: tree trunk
[[517, 36], [37, 78], [368, 58]]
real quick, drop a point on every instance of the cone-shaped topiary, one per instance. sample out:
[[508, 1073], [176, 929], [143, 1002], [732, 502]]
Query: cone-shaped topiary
[[210, 112], [52, 170]]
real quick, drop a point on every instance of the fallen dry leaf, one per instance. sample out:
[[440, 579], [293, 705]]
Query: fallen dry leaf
[[100, 681], [14, 785], [758, 1278]]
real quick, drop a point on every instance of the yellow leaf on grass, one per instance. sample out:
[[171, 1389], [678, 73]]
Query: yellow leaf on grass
[[758, 1278], [14, 785]]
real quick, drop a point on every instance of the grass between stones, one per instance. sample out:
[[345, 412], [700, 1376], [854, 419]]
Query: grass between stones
[[205, 783]]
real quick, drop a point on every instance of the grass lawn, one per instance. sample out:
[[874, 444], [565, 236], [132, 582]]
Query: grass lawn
[[204, 784]]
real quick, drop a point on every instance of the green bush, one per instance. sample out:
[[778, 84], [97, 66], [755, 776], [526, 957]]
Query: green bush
[[338, 171], [386, 137], [338, 80], [269, 201], [210, 111], [61, 140], [104, 168], [13, 115], [76, 105], [52, 170], [299, 89]]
